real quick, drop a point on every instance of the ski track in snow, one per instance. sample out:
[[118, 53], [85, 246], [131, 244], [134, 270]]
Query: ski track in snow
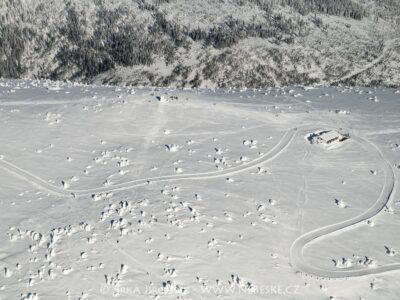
[[298, 261]]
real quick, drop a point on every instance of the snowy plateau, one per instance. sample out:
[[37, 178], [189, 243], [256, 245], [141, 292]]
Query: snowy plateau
[[111, 192], [199, 149]]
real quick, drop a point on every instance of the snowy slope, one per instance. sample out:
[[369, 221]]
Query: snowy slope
[[235, 43], [107, 192]]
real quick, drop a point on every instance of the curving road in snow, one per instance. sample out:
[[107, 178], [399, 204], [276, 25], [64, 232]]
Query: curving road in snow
[[389, 46], [298, 260], [58, 191]]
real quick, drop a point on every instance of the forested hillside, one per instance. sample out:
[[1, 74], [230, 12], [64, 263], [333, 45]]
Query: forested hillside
[[225, 43]]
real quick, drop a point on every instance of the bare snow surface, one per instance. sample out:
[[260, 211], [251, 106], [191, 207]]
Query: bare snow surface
[[114, 192]]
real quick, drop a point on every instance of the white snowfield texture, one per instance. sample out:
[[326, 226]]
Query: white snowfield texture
[[110, 193], [207, 43]]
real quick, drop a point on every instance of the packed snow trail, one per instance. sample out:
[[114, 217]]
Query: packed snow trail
[[389, 45], [296, 252], [297, 249], [52, 189], [33, 179]]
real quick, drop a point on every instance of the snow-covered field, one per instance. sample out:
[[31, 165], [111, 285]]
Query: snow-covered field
[[285, 193]]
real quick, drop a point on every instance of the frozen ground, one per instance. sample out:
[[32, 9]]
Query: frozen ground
[[110, 193]]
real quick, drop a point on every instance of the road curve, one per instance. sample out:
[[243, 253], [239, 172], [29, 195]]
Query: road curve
[[58, 191], [298, 261], [389, 46]]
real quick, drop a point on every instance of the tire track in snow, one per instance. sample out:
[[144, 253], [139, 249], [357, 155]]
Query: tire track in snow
[[389, 46], [297, 249], [297, 259], [58, 191], [32, 179]]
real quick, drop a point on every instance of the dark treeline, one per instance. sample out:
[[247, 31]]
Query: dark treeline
[[113, 42], [12, 47], [120, 36]]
